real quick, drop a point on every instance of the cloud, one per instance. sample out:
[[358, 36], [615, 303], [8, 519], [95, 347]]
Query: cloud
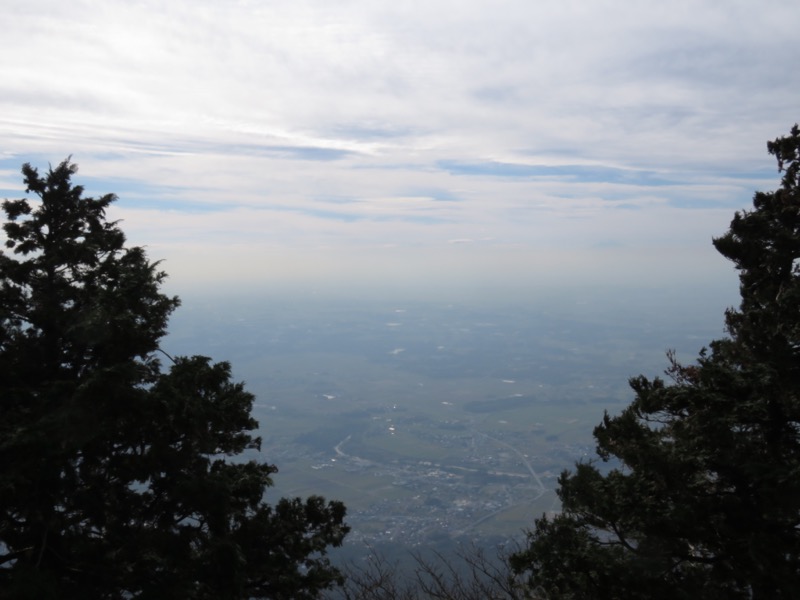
[[315, 130]]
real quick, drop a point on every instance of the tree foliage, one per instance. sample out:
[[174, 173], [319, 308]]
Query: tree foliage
[[699, 496], [116, 478], [469, 574]]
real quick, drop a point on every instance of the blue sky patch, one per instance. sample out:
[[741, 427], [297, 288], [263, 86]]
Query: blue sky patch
[[577, 173]]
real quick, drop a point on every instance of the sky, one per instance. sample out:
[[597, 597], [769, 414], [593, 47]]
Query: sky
[[430, 147]]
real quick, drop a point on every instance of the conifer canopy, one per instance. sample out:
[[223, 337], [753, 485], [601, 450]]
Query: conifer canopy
[[697, 493], [119, 479]]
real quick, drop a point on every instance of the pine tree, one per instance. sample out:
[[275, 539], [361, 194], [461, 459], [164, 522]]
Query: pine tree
[[116, 477], [698, 494]]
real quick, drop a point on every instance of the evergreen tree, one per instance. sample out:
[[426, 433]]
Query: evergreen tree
[[700, 496], [115, 476]]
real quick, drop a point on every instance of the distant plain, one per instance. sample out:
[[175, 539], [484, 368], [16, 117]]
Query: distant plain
[[439, 420]]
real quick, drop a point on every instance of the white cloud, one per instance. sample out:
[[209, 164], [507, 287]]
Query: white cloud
[[312, 130]]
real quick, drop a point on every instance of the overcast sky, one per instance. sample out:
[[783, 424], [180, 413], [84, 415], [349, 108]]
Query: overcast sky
[[423, 145]]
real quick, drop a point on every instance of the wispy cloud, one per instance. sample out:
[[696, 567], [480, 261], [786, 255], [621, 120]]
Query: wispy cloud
[[378, 133]]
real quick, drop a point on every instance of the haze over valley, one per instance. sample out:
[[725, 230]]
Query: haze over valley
[[440, 422]]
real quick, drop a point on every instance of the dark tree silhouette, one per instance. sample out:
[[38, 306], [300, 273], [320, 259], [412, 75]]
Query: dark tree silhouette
[[116, 478], [701, 496]]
